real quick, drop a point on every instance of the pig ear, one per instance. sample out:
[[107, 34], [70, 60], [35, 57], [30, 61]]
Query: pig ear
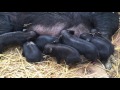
[[88, 39], [59, 39], [71, 32]]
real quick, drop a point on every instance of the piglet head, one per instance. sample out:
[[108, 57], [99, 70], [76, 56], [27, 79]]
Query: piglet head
[[47, 49], [31, 35], [86, 36]]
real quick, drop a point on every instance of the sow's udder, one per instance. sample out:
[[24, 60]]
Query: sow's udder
[[55, 30]]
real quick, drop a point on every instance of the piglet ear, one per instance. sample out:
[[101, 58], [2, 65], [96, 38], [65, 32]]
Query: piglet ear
[[93, 31], [56, 41], [88, 39], [59, 39], [71, 32]]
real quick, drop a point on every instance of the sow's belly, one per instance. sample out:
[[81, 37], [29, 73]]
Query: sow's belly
[[57, 28]]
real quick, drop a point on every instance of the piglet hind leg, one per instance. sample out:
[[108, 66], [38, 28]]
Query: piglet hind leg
[[107, 63], [58, 59], [73, 61]]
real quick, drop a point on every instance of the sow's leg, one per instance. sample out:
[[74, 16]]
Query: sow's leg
[[6, 25], [106, 23]]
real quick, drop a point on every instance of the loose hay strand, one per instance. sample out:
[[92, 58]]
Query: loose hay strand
[[14, 65]]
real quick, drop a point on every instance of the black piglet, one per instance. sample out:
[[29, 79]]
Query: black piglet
[[32, 52], [63, 52]]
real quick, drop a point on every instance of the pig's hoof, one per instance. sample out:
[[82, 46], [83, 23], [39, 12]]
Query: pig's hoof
[[108, 65]]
